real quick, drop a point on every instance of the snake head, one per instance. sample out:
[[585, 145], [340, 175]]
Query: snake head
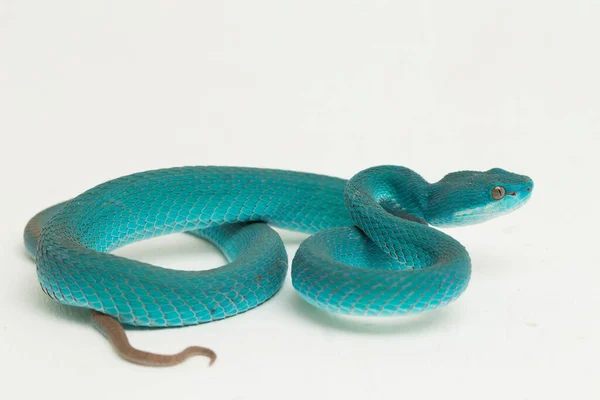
[[470, 197]]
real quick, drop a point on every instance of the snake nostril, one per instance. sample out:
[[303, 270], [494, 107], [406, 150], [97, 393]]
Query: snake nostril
[[529, 189]]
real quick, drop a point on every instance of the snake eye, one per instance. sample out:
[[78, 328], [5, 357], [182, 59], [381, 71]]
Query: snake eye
[[498, 192]]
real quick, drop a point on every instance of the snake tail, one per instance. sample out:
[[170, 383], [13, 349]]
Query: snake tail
[[116, 335]]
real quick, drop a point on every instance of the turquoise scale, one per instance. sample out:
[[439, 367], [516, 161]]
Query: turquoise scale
[[372, 251]]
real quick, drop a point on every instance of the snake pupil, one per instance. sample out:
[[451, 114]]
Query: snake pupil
[[498, 192]]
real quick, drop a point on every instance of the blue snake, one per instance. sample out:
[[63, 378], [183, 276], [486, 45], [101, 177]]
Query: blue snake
[[372, 252]]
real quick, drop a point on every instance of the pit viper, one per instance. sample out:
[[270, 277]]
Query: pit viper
[[373, 250]]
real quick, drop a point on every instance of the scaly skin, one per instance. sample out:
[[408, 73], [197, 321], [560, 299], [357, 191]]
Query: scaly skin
[[372, 252]]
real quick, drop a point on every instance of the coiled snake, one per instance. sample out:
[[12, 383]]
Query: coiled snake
[[372, 251]]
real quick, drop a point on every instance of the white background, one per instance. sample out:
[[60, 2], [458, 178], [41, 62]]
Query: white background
[[93, 90]]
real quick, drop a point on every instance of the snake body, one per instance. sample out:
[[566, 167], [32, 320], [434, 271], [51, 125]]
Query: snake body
[[372, 249]]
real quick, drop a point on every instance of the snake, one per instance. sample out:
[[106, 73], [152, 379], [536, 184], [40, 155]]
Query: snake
[[375, 246]]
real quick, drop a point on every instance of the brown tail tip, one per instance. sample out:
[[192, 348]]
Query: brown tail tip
[[116, 335]]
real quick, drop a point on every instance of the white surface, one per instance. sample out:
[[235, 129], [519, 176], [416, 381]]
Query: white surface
[[93, 90]]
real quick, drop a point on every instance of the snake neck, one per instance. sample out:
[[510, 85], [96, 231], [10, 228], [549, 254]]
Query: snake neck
[[391, 205], [397, 190]]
